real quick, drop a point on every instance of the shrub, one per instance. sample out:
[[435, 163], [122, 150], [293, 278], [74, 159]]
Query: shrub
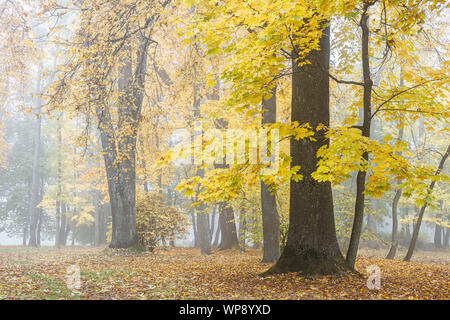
[[155, 220]]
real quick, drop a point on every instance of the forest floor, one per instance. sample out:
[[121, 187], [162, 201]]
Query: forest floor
[[182, 273]]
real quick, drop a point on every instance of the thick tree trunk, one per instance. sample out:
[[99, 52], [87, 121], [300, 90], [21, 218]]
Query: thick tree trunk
[[415, 234], [229, 236], [311, 246], [361, 176], [120, 149], [270, 217], [204, 237]]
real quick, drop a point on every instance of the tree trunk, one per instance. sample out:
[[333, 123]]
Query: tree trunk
[[229, 236], [361, 176], [311, 246], [59, 193], [446, 238], [203, 234], [34, 201], [270, 217], [437, 236], [213, 222], [415, 234], [398, 195], [394, 244], [407, 224], [120, 149], [24, 235], [62, 229], [194, 228], [217, 236], [242, 231]]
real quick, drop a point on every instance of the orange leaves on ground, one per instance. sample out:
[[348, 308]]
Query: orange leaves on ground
[[182, 273]]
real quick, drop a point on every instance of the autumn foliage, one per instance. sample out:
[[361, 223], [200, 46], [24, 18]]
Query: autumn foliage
[[156, 220]]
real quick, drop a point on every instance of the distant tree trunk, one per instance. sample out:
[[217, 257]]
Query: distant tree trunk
[[194, 228], [438, 237], [217, 236], [39, 226], [415, 234], [406, 226], [100, 225], [213, 222], [62, 229], [242, 231], [361, 176], [394, 243], [40, 213], [270, 217], [33, 210], [398, 195], [59, 193], [372, 230], [446, 238], [24, 235], [311, 246]]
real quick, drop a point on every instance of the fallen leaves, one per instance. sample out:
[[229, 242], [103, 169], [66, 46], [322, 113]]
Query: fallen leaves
[[182, 273]]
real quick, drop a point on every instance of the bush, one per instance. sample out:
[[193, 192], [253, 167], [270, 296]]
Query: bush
[[156, 221]]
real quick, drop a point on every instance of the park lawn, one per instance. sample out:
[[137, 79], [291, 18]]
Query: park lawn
[[182, 273]]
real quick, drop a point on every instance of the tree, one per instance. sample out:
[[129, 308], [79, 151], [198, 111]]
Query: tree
[[311, 245], [415, 234], [270, 217], [108, 68]]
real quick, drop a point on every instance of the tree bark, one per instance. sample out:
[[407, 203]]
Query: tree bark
[[217, 236], [120, 150], [270, 217], [416, 230], [367, 110], [398, 195], [311, 246], [229, 236], [34, 201], [394, 243]]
